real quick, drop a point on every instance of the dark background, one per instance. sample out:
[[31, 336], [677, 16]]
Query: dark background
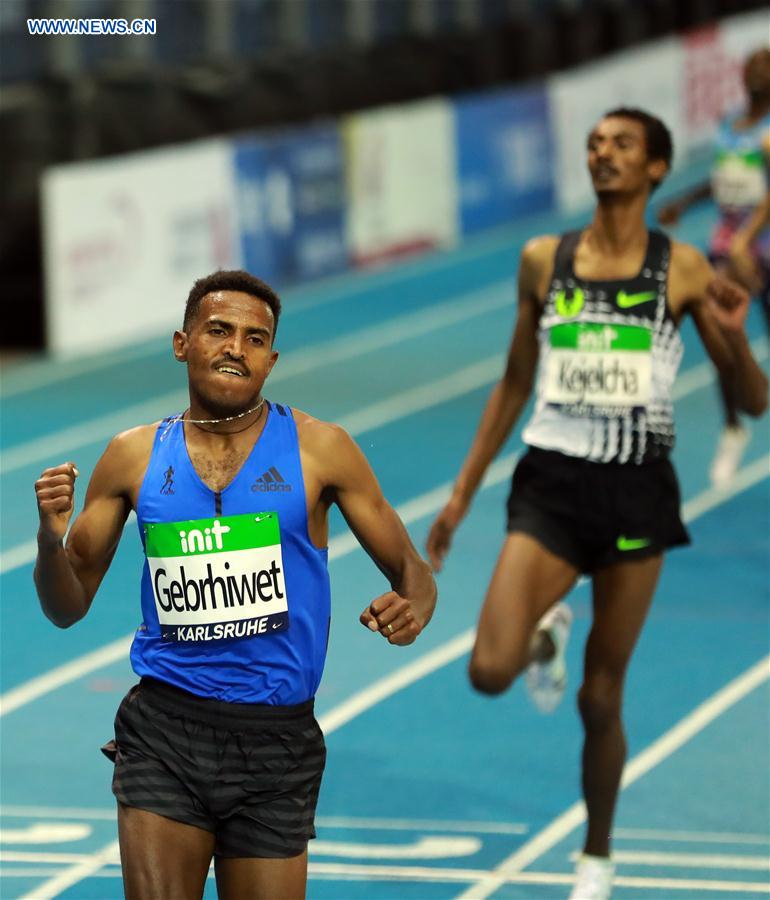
[[219, 66]]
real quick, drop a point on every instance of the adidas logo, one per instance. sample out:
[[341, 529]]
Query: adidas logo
[[271, 481]]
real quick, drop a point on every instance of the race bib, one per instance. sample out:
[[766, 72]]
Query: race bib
[[218, 578], [598, 369], [739, 180]]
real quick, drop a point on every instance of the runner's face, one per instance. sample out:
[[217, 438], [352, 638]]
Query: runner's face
[[756, 75], [228, 351], [617, 157]]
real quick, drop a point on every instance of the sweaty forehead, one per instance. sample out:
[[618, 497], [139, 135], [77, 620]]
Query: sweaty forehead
[[237, 305]]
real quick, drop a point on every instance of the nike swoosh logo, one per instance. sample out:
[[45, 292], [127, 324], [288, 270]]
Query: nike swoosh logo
[[625, 543], [625, 301]]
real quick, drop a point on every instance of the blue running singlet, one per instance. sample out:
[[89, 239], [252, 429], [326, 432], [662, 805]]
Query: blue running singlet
[[235, 596]]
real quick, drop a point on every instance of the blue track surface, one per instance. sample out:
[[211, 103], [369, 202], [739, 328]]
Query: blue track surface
[[432, 788]]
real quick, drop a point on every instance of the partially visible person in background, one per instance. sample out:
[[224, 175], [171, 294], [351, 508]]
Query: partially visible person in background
[[740, 242]]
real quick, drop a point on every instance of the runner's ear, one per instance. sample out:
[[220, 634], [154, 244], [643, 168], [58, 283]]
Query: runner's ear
[[180, 346]]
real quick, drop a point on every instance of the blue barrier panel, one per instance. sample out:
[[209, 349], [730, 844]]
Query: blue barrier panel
[[291, 203], [504, 157]]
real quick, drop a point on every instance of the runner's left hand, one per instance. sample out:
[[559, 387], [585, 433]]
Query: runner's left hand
[[391, 609], [729, 303]]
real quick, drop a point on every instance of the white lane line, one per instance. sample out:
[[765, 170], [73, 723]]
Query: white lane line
[[295, 362], [391, 684], [58, 812], [686, 837], [659, 750], [424, 847], [358, 422], [78, 872], [18, 556], [425, 396], [688, 860], [60, 675], [712, 497], [353, 872], [376, 824]]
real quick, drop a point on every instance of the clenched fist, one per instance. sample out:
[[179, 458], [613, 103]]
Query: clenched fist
[[55, 491]]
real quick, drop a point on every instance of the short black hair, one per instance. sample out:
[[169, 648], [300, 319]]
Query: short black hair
[[656, 136], [234, 280]]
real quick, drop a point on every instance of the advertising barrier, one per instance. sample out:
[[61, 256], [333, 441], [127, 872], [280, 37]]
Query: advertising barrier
[[504, 157], [401, 176], [713, 72], [126, 237], [290, 189]]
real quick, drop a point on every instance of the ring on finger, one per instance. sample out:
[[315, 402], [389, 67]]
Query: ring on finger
[[390, 628]]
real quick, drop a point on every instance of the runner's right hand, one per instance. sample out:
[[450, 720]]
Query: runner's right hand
[[441, 532], [55, 491]]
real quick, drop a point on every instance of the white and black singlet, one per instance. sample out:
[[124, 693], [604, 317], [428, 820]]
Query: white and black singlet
[[609, 354]]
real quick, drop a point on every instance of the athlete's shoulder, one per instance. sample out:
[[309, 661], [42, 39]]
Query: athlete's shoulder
[[317, 434], [134, 441], [689, 275], [540, 250], [125, 459], [329, 451], [687, 259], [536, 267], [130, 449]]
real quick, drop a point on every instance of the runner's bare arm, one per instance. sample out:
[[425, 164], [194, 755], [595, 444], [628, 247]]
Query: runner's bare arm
[[401, 613], [508, 397], [673, 210], [743, 266], [67, 577], [718, 307]]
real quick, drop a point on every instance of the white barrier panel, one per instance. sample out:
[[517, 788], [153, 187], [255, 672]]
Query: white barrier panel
[[402, 181], [647, 77], [689, 82], [126, 237]]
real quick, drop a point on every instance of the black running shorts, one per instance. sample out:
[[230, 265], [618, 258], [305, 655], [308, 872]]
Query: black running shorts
[[250, 774], [596, 514]]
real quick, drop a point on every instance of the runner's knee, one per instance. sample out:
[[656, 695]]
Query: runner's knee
[[488, 675], [599, 702]]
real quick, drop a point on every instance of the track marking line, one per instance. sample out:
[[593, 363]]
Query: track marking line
[[688, 860], [435, 874]]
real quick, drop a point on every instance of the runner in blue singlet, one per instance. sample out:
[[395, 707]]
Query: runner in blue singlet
[[217, 752]]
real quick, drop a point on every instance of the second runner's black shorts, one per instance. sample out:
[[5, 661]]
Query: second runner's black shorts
[[596, 514], [249, 774]]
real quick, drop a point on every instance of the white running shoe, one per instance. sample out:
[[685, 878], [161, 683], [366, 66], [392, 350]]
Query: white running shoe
[[593, 878], [547, 681], [732, 443]]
